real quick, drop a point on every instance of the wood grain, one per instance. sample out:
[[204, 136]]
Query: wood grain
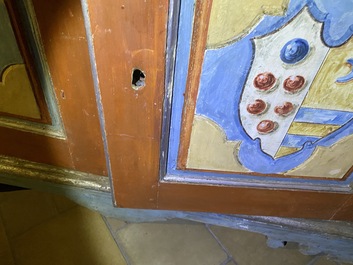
[[252, 201], [129, 35], [345, 212], [64, 38]]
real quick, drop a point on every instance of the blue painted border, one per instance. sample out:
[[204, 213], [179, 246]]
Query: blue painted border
[[180, 76]]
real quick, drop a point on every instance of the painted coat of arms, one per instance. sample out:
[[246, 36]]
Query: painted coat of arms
[[281, 94], [284, 66]]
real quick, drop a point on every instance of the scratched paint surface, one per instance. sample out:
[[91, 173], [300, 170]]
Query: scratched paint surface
[[322, 120]]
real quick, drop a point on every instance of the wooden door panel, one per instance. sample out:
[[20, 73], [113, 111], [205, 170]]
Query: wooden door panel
[[19, 79], [162, 158], [52, 37], [64, 40]]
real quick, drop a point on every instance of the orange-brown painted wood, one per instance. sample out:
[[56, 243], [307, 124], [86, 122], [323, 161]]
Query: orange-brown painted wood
[[129, 35], [34, 147], [252, 201], [63, 37]]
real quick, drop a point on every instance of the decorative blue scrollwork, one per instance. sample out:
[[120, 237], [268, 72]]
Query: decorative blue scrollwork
[[294, 51], [349, 76]]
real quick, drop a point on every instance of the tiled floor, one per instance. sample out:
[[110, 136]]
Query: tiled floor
[[39, 229]]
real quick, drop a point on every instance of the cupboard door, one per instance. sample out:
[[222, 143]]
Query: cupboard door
[[226, 106], [48, 110]]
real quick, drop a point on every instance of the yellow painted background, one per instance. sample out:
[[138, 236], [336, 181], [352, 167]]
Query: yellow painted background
[[230, 20], [16, 94]]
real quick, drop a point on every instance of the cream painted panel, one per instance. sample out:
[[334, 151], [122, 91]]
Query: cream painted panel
[[16, 94], [209, 149], [231, 19], [325, 92]]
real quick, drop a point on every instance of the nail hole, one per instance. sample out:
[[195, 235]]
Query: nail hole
[[138, 79]]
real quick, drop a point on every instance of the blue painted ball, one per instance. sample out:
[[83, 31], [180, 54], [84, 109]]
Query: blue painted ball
[[294, 51]]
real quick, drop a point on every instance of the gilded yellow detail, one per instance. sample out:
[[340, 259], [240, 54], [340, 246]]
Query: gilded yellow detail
[[327, 162], [311, 129], [325, 92], [283, 151], [233, 19], [16, 94], [209, 149]]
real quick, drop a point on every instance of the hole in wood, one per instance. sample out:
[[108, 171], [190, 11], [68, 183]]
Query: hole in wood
[[138, 79]]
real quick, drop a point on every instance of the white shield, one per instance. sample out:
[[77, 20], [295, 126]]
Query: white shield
[[276, 88]]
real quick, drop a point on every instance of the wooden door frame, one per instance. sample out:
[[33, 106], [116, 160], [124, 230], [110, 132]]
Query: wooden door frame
[[124, 36]]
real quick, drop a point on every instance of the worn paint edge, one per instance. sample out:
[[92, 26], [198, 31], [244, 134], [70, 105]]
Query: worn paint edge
[[19, 168], [92, 57], [197, 52], [171, 49], [266, 184]]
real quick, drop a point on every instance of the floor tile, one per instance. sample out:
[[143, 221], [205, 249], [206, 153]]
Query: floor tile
[[22, 210], [324, 261], [168, 244], [250, 249], [62, 203], [345, 263], [78, 236], [114, 224], [5, 250], [231, 262]]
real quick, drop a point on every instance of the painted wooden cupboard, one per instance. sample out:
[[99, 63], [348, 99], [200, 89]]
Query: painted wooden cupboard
[[228, 107], [212, 111]]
